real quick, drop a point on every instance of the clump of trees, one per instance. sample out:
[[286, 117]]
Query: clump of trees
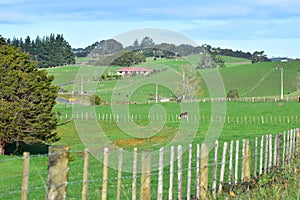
[[95, 99], [129, 58], [210, 58], [259, 56], [27, 98], [233, 94], [105, 47], [49, 51]]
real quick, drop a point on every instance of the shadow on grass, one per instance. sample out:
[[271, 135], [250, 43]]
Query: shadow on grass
[[18, 149]]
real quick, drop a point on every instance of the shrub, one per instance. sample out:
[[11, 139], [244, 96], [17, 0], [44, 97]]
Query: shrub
[[233, 94]]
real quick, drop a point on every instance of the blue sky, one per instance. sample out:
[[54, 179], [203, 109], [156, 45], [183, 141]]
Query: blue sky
[[248, 25]]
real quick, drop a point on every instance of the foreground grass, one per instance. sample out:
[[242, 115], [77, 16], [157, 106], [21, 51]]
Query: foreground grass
[[282, 183], [11, 166]]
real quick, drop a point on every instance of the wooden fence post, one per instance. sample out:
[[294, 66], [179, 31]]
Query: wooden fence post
[[243, 160], [266, 154], [298, 141], [160, 174], [214, 186], [188, 193], [275, 151], [283, 149], [85, 174], [236, 162], [255, 157], [120, 163], [146, 176], [223, 167], [25, 176], [203, 171], [293, 143], [57, 173], [134, 172], [270, 153], [179, 174], [198, 171], [171, 173], [279, 147], [247, 158], [287, 150], [105, 174], [261, 155], [230, 163]]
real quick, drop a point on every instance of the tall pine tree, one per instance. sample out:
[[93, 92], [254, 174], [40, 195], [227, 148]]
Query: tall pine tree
[[50, 51], [26, 100]]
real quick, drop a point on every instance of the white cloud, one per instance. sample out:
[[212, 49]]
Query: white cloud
[[192, 12], [280, 2], [14, 17]]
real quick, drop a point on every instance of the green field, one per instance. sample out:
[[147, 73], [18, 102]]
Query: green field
[[251, 80], [241, 121], [69, 137], [232, 130]]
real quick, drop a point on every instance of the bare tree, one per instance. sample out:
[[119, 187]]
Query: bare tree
[[189, 86], [297, 81]]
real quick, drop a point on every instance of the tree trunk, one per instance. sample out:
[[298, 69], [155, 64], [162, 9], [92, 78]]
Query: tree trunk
[[2, 145]]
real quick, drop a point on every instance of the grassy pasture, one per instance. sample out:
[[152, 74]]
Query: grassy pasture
[[260, 79], [237, 74], [232, 130], [11, 166], [69, 137]]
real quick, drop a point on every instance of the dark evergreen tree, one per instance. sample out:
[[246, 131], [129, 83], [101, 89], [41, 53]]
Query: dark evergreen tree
[[50, 51], [27, 99], [27, 45], [259, 56]]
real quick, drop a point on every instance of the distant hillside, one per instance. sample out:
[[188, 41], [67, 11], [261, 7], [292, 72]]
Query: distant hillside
[[260, 79], [163, 50]]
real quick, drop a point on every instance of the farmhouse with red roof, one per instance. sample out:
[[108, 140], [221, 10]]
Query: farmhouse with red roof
[[139, 71]]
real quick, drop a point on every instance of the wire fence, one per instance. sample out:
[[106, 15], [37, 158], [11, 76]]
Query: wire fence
[[263, 119], [191, 174]]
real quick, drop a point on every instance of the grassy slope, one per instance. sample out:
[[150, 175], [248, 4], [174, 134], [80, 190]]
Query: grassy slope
[[246, 77], [258, 79]]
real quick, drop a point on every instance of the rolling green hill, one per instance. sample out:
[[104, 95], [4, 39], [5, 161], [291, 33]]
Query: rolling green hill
[[251, 80]]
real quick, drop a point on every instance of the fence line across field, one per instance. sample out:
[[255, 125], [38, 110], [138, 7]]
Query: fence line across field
[[176, 118], [194, 173], [199, 100]]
